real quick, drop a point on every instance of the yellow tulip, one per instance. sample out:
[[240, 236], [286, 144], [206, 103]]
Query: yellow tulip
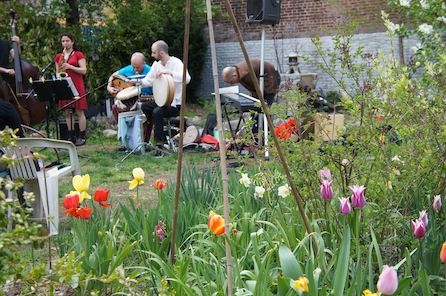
[[138, 178], [300, 285], [81, 185]]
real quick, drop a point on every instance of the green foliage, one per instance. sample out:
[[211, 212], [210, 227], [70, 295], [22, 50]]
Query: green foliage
[[111, 31]]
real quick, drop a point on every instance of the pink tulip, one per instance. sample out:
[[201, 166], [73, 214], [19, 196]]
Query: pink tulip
[[423, 218], [436, 205], [358, 197], [345, 207], [388, 281], [418, 228], [326, 190], [325, 174]]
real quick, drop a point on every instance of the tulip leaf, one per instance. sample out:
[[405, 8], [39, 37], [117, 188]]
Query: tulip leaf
[[290, 267], [340, 275]]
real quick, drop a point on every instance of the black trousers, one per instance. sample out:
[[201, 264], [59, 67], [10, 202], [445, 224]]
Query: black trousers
[[156, 115], [9, 117]]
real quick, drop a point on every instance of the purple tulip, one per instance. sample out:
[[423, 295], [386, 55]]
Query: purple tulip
[[423, 218], [326, 190], [418, 228], [358, 198], [437, 203], [388, 281], [325, 174], [345, 207]]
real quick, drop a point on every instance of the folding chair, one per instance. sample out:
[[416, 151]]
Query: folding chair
[[44, 181]]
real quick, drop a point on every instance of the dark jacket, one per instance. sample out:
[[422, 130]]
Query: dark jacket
[[270, 78]]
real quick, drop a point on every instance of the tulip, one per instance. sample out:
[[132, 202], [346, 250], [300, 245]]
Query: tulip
[[300, 285], [345, 207], [423, 218], [159, 184], [101, 196], [138, 178], [71, 203], [259, 191], [358, 198], [84, 213], [325, 174], [245, 181], [286, 129], [216, 223], [443, 253], [326, 190], [418, 228], [388, 281], [436, 205], [160, 230], [81, 185], [284, 190], [368, 293]]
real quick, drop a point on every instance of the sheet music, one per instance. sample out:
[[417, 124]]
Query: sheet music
[[71, 85]]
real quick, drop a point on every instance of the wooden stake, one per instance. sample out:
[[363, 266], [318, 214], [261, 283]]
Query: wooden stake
[[222, 146], [270, 123], [180, 144]]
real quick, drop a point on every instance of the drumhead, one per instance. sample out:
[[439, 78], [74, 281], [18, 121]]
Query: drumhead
[[190, 135], [163, 90], [128, 93]]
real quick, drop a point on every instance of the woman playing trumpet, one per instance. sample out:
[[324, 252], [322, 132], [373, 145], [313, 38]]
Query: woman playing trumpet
[[72, 62]]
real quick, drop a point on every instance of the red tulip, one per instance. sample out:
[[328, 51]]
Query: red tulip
[[84, 213], [443, 253], [101, 196], [159, 184], [71, 203], [216, 223]]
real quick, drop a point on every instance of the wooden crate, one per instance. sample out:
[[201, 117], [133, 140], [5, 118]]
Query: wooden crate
[[328, 127]]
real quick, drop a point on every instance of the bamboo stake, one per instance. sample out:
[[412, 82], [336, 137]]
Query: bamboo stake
[[180, 145], [222, 148], [283, 161]]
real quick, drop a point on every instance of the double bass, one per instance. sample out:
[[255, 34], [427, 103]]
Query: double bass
[[30, 109]]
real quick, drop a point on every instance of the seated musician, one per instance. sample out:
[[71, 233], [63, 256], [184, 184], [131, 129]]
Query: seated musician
[[137, 66], [169, 65], [239, 73]]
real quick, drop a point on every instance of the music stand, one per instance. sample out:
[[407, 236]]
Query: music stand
[[52, 91]]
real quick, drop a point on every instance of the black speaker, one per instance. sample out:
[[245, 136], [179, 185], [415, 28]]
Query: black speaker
[[263, 11]]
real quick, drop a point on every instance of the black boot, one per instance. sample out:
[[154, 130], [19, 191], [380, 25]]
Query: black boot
[[72, 136], [82, 138]]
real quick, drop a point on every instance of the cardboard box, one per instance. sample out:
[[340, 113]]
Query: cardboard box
[[328, 127]]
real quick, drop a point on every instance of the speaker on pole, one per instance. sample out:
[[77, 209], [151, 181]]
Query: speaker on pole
[[263, 11]]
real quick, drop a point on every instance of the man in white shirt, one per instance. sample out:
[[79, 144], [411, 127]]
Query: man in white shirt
[[170, 65]]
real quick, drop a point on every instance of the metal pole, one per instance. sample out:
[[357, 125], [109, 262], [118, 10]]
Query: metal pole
[[264, 125], [222, 148]]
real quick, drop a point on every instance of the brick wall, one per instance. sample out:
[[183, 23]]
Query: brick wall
[[302, 18], [276, 52]]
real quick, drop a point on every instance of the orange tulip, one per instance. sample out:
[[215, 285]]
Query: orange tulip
[[216, 223], [159, 184], [443, 253]]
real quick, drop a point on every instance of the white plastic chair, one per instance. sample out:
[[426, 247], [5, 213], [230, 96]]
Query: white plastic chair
[[45, 181]]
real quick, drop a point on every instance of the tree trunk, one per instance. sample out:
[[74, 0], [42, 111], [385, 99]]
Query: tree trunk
[[73, 17]]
